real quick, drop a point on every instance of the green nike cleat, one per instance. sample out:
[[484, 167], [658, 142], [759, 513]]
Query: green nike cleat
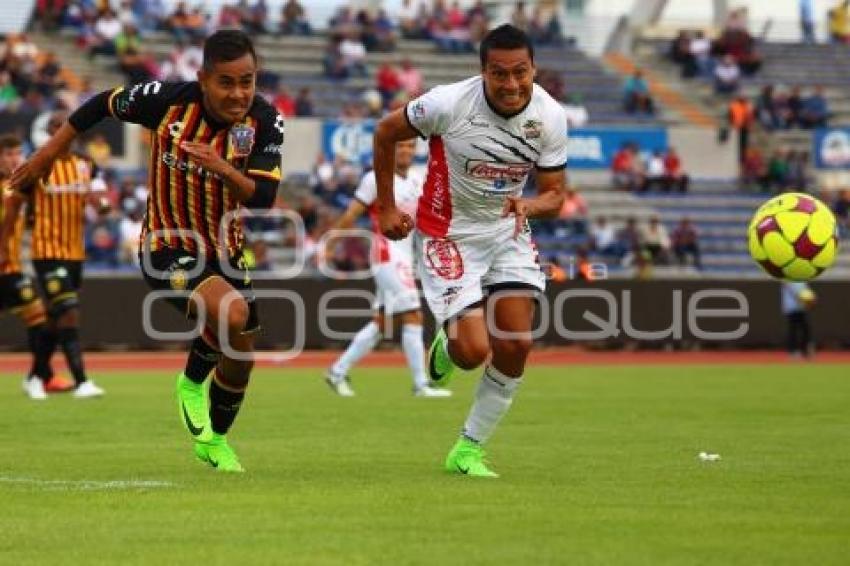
[[440, 365], [192, 404], [467, 457], [218, 454]]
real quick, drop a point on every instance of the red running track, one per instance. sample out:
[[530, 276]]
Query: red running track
[[124, 361]]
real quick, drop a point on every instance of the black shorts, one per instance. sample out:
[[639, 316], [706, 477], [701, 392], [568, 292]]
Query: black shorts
[[16, 291], [174, 271], [60, 281]]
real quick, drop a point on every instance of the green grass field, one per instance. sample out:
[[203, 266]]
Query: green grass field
[[599, 466]]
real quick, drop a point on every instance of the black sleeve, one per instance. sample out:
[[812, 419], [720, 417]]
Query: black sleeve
[[91, 112], [142, 103], [263, 163]]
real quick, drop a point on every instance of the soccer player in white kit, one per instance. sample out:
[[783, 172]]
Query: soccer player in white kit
[[397, 301], [478, 264]]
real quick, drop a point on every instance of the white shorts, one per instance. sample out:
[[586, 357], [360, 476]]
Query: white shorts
[[396, 290], [457, 272]]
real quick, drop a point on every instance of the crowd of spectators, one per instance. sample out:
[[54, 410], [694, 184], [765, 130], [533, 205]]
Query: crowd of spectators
[[782, 170], [658, 170], [32, 79], [781, 110], [634, 244], [724, 59]]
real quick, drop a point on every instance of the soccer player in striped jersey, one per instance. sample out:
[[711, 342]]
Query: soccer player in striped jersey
[[58, 203], [215, 148], [17, 292]]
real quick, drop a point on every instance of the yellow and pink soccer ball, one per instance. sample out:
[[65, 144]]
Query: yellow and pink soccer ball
[[794, 237]]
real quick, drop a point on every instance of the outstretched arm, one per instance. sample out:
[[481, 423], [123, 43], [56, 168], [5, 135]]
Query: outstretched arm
[[393, 128]]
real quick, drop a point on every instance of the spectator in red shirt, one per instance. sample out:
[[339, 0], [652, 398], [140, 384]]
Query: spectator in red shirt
[[388, 82], [626, 168], [674, 175], [284, 102]]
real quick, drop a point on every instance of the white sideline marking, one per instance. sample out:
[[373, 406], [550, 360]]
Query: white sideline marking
[[86, 485]]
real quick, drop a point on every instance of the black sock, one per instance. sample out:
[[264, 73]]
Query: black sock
[[69, 338], [202, 359], [38, 337], [224, 405]]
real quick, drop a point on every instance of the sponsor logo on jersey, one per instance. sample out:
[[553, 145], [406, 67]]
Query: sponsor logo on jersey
[[532, 129], [279, 124], [274, 148], [478, 121], [242, 140], [173, 162], [450, 294], [492, 171]]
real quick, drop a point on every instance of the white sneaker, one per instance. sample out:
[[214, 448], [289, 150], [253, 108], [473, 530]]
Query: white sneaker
[[88, 390], [427, 391], [340, 385], [34, 388]]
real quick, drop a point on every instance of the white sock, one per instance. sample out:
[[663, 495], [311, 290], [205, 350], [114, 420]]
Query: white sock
[[414, 351], [492, 400], [362, 343]]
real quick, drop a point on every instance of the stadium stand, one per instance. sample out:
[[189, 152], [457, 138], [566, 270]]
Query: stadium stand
[[718, 208]]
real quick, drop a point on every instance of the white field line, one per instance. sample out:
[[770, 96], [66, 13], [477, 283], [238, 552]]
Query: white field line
[[85, 485]]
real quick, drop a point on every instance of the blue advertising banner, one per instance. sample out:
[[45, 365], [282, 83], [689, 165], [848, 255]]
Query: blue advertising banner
[[589, 148], [352, 141], [594, 148], [831, 148]]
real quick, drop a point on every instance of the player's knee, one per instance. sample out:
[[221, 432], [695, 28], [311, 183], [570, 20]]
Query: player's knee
[[237, 317], [64, 310], [469, 354]]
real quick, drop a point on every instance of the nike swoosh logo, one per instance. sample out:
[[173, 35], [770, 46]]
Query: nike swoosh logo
[[461, 470], [195, 431], [433, 370], [213, 463]]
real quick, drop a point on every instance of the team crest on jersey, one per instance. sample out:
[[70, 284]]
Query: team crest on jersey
[[444, 258], [532, 129], [241, 140], [175, 129], [178, 280]]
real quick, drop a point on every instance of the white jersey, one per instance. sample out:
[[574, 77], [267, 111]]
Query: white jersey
[[477, 157], [407, 192]]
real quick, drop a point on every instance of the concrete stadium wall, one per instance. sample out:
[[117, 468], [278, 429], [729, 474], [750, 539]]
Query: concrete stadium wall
[[610, 314]]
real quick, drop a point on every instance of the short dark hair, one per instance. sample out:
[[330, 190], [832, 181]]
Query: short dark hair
[[227, 45], [505, 37], [9, 141]]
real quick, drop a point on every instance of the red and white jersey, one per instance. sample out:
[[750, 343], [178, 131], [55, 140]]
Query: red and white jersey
[[407, 192], [478, 157]]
